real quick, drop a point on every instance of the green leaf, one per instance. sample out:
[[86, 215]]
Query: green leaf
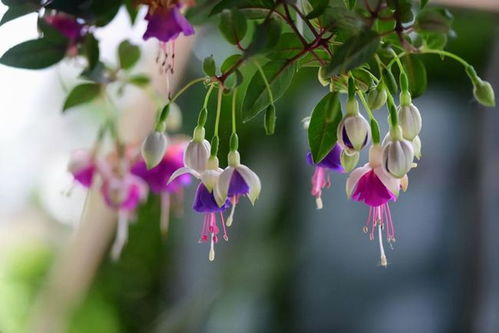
[[128, 54], [18, 11], [229, 62], [234, 79], [209, 67], [139, 80], [389, 81], [82, 94], [423, 3], [279, 75], [434, 40], [34, 54], [318, 10], [228, 4], [354, 52], [434, 20], [287, 47], [416, 73], [91, 50], [265, 37], [323, 123], [350, 4], [233, 25]]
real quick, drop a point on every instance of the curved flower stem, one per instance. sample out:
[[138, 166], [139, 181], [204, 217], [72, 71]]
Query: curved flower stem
[[234, 97], [374, 123], [111, 121], [207, 97], [262, 73], [447, 54], [219, 109], [187, 86]]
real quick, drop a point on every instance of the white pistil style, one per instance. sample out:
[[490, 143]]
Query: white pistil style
[[211, 254], [121, 235], [165, 213], [383, 260], [318, 203]]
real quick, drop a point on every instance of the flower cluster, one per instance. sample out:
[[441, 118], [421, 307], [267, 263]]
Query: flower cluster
[[125, 180], [379, 181]]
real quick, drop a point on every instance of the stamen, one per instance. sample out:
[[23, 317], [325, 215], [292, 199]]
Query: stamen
[[223, 225], [121, 235], [204, 230]]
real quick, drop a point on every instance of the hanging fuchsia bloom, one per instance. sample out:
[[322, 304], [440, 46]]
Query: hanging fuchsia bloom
[[372, 185], [157, 178], [69, 27], [123, 192], [82, 166], [165, 23], [320, 179], [235, 181]]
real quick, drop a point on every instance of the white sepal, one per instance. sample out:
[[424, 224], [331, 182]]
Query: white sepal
[[410, 121], [222, 188], [196, 155], [354, 177], [183, 171], [252, 180]]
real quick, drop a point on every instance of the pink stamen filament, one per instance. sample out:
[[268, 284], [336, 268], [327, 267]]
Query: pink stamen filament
[[380, 216]]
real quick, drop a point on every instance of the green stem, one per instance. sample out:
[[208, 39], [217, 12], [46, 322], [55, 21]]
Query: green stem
[[207, 97], [374, 123], [271, 96], [447, 54], [187, 86], [219, 109], [392, 110], [234, 111]]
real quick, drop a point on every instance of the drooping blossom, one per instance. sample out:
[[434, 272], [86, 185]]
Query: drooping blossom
[[235, 181], [165, 22], [157, 178], [372, 185], [353, 133], [82, 166], [69, 27], [123, 192], [321, 178], [410, 121]]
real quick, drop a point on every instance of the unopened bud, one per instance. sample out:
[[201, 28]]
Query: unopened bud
[[153, 148], [484, 93], [324, 80], [397, 157], [410, 121], [353, 133], [377, 98], [349, 161]]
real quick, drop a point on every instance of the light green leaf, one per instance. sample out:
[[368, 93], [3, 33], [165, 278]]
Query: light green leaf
[[128, 54], [82, 94]]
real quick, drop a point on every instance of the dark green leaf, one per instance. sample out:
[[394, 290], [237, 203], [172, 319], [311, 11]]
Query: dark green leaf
[[416, 73], [265, 37], [434, 40], [82, 94], [34, 54], [356, 51], [140, 80], [91, 50], [288, 46], [209, 67], [228, 4], [279, 75], [18, 11], [423, 3], [128, 54], [434, 20], [318, 10], [233, 25], [350, 4], [323, 123], [96, 74], [131, 9], [341, 21], [229, 62], [234, 80], [389, 81]]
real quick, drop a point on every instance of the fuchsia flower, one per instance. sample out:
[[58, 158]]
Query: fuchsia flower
[[82, 166], [166, 23], [372, 185], [69, 27], [157, 178], [320, 179], [235, 181]]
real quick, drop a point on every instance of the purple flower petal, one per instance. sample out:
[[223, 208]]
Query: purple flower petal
[[238, 185], [66, 25], [332, 161], [204, 201], [166, 24], [85, 175], [371, 191]]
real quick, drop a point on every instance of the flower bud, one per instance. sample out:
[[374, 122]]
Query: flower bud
[[416, 145], [153, 148], [484, 93], [353, 133], [322, 77], [397, 157], [349, 161], [410, 121], [377, 98], [196, 155]]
